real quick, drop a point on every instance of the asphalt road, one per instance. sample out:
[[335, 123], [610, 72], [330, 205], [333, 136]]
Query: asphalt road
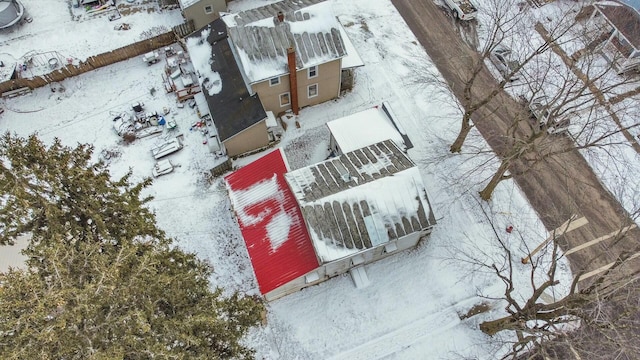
[[556, 188]]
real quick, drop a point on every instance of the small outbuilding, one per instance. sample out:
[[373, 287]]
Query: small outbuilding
[[372, 125], [305, 226]]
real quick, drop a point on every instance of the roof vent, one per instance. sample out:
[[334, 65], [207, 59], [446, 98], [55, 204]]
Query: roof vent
[[346, 177], [280, 16]]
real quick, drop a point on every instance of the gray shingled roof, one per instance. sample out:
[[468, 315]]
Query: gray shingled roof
[[271, 10], [261, 40], [361, 199]]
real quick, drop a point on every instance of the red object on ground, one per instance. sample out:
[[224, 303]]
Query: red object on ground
[[271, 222], [509, 229]]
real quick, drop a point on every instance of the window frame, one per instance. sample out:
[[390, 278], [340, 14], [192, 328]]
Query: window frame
[[315, 71], [274, 78], [210, 9], [288, 95], [309, 96]]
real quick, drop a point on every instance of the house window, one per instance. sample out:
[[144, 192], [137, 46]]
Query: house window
[[312, 91], [274, 81], [313, 72], [208, 9], [285, 99]]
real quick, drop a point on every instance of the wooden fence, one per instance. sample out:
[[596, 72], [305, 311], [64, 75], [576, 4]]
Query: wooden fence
[[92, 63], [220, 169]]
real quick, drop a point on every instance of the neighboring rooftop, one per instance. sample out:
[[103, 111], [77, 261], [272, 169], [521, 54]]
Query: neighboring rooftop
[[11, 11], [186, 3], [625, 18], [372, 126], [231, 106], [270, 221], [261, 40], [361, 199]]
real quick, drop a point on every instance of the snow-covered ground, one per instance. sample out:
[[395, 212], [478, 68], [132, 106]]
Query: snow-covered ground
[[60, 30], [412, 307]]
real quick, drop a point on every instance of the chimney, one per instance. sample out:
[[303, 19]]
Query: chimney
[[293, 79], [280, 16]]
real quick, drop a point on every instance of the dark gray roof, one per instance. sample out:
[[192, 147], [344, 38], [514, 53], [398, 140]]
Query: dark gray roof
[[233, 109], [262, 40], [361, 199]]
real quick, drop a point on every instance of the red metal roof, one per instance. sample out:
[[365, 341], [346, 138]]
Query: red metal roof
[[271, 222]]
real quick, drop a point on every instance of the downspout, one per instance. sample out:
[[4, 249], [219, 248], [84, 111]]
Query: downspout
[[293, 79]]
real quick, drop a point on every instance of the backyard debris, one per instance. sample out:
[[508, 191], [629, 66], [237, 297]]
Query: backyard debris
[[166, 148], [162, 167], [123, 26]]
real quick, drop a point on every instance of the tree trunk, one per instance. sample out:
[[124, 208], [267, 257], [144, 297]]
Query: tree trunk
[[486, 193], [495, 326], [456, 147]]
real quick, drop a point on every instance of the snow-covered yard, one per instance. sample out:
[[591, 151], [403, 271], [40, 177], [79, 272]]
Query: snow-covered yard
[[412, 307]]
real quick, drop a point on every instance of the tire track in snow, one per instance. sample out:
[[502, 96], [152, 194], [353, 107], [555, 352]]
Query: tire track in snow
[[408, 335]]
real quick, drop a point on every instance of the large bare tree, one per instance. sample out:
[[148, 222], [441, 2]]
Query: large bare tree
[[596, 313]]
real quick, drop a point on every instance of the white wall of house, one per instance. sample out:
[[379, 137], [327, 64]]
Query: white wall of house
[[202, 12], [341, 266]]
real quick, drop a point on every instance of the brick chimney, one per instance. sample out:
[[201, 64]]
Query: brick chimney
[[293, 79], [280, 16]]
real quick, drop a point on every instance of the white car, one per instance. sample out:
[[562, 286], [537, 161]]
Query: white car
[[502, 58]]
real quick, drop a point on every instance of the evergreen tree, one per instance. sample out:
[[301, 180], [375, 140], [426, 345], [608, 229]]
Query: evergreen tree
[[58, 190], [102, 281]]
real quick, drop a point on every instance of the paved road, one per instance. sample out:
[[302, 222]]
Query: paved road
[[556, 188]]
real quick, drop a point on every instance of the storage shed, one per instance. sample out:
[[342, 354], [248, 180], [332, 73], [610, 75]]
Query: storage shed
[[305, 226]]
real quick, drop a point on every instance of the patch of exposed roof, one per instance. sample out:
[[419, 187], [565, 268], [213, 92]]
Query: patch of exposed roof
[[261, 40], [361, 199], [232, 108], [624, 18]]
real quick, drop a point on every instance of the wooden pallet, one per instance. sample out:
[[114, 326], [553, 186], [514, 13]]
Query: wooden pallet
[[16, 92]]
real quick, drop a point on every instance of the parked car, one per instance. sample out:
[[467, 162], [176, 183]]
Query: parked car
[[540, 112], [151, 57], [502, 58], [463, 9]]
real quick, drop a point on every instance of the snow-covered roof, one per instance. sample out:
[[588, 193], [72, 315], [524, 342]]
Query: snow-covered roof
[[261, 40], [352, 59], [372, 126], [270, 221], [361, 199], [186, 3]]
